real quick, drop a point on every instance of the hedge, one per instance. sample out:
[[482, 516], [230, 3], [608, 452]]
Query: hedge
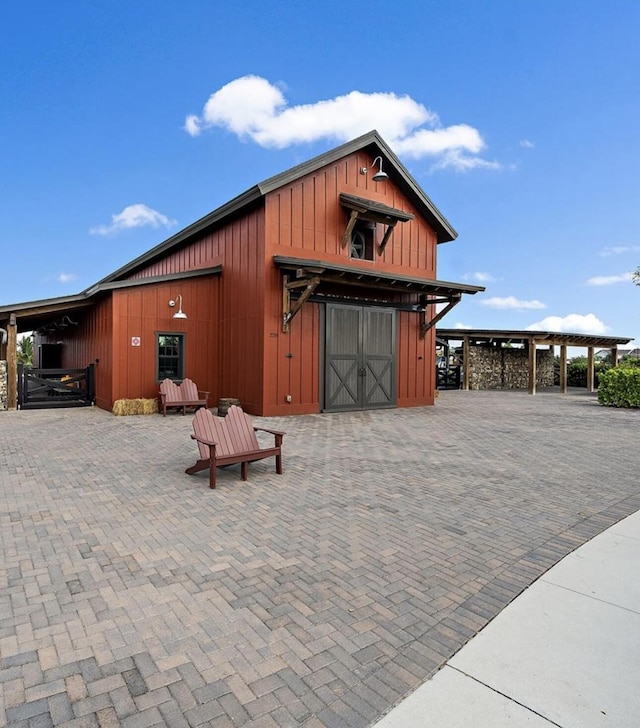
[[620, 387]]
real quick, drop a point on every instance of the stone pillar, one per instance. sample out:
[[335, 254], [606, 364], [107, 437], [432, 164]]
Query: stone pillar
[[3, 385]]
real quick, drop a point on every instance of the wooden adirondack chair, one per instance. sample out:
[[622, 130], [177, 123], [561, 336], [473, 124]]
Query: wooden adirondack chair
[[181, 396], [230, 439]]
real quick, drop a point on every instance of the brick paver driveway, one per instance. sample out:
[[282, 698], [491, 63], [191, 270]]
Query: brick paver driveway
[[131, 594]]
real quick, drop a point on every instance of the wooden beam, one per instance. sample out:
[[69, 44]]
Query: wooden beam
[[426, 325], [346, 238], [12, 363], [533, 372], [591, 378], [290, 311], [286, 303], [466, 363], [563, 369], [387, 235], [614, 357]]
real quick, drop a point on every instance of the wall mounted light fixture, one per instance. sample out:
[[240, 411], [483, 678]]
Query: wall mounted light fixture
[[379, 176], [179, 314]]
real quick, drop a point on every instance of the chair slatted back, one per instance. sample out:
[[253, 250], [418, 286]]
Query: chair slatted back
[[171, 391], [209, 427], [189, 390], [241, 430]]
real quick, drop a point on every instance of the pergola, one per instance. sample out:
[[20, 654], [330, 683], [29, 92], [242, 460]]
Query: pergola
[[530, 340]]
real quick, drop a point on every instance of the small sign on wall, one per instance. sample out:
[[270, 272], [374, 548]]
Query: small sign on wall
[[135, 341]]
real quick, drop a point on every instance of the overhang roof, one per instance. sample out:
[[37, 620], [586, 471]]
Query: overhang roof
[[375, 210], [31, 315], [540, 337], [373, 279]]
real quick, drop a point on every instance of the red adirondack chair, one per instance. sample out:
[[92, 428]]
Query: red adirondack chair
[[228, 440], [181, 396]]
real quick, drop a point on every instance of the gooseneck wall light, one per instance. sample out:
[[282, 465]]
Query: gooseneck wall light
[[179, 314], [379, 176]]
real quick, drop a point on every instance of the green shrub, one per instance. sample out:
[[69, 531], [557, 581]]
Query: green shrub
[[620, 387], [577, 371], [631, 363]]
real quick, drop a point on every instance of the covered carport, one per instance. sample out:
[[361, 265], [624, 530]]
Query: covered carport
[[530, 340]]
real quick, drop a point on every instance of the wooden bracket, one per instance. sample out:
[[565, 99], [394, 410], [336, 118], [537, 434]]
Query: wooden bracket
[[426, 325], [309, 283], [387, 235], [346, 238]]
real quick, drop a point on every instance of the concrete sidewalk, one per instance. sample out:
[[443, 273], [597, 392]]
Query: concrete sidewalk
[[564, 653]]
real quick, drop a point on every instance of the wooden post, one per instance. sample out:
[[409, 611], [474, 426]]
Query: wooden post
[[465, 363], [12, 363], [563, 369], [591, 379], [532, 366], [614, 357]]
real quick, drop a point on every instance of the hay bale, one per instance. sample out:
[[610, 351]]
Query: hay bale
[[140, 406]]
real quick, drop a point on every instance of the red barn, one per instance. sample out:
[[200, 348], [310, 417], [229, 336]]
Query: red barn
[[315, 290]]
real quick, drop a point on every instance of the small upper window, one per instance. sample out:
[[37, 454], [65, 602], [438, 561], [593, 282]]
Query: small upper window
[[362, 242], [170, 356]]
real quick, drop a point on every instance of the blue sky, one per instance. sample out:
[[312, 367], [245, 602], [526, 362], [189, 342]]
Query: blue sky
[[123, 122]]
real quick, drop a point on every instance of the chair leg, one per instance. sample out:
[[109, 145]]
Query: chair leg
[[243, 470], [279, 464], [212, 476]]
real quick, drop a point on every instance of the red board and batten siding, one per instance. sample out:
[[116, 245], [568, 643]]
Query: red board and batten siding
[[90, 342], [306, 220], [140, 312], [239, 316]]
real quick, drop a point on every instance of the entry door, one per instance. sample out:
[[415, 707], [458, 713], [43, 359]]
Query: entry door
[[359, 358]]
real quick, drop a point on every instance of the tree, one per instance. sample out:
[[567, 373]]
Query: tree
[[25, 351], [636, 276]]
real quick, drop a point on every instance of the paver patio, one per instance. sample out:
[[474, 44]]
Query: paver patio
[[131, 594]]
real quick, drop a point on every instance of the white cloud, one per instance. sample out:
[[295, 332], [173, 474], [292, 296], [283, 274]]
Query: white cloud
[[460, 325], [66, 277], [133, 216], [574, 323], [619, 250], [511, 302], [480, 276], [526, 144], [252, 107], [610, 280]]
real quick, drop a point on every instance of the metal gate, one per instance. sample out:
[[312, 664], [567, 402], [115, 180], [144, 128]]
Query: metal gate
[[359, 370], [40, 388]]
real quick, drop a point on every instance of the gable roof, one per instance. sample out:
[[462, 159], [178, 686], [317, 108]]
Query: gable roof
[[370, 141]]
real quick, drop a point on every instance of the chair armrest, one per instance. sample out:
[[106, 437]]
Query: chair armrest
[[211, 443], [205, 395], [271, 432]]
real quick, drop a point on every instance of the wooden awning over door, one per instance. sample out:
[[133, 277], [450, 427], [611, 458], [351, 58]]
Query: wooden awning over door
[[309, 276]]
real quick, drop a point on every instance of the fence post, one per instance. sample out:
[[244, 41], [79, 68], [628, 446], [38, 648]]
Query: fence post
[[12, 363]]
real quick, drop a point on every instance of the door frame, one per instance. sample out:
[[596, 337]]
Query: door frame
[[361, 345]]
